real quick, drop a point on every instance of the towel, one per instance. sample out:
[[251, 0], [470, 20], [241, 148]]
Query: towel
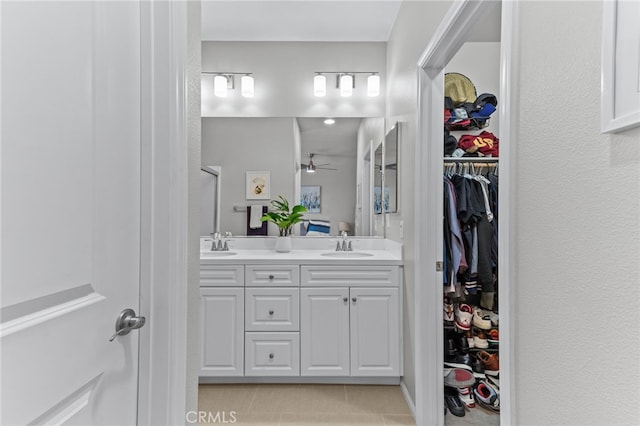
[[256, 214]]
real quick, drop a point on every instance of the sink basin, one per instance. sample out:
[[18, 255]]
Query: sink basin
[[217, 253], [346, 254]]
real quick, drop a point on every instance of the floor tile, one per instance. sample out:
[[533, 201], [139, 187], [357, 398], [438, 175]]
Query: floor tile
[[331, 399], [376, 399], [398, 420], [276, 399], [319, 419], [228, 397]]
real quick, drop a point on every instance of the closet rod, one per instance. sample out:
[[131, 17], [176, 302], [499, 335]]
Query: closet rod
[[472, 159], [473, 163]]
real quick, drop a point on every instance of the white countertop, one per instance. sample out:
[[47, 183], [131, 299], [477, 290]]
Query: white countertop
[[366, 251]]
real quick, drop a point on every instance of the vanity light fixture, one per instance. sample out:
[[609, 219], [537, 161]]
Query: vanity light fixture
[[220, 83], [373, 85], [246, 83], [224, 81], [329, 121], [346, 82], [320, 85]]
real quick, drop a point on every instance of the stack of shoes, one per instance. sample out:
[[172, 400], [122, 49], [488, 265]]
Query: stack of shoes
[[457, 393], [457, 352]]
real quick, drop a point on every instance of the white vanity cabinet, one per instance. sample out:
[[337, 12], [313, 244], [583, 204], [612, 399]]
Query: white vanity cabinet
[[300, 320], [350, 321]]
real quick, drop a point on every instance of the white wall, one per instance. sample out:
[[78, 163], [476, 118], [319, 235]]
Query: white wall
[[284, 72], [239, 145], [414, 26], [578, 231]]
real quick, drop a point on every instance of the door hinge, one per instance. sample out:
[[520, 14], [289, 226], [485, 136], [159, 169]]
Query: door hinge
[[439, 266]]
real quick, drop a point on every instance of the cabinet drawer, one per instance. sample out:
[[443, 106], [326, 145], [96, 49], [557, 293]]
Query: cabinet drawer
[[272, 354], [221, 276], [352, 276], [272, 275], [272, 309]]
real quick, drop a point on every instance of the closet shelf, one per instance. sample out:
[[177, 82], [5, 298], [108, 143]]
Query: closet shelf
[[472, 159]]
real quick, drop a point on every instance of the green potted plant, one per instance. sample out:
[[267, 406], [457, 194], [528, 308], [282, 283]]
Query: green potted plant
[[284, 217]]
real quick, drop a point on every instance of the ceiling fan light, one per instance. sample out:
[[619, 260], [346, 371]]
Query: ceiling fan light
[[320, 85], [373, 85], [311, 168]]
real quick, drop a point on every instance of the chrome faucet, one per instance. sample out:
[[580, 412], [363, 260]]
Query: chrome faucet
[[346, 244], [220, 244]]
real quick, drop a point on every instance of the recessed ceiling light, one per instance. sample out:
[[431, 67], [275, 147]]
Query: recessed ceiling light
[[329, 121]]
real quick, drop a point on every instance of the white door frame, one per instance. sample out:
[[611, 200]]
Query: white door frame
[[447, 40], [163, 374]]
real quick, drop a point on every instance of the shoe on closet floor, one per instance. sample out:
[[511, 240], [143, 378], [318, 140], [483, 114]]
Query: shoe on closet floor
[[459, 378], [466, 397], [487, 396], [463, 314], [481, 319], [452, 400], [491, 362], [480, 340]]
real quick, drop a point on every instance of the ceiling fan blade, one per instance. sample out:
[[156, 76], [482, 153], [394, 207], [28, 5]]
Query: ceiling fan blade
[[326, 168]]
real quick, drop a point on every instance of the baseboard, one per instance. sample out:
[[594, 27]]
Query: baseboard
[[407, 398], [305, 380]]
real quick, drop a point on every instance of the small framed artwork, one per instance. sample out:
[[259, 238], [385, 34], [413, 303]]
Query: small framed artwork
[[310, 198], [258, 186]]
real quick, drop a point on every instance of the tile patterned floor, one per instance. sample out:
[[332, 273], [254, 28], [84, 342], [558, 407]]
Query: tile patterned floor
[[304, 405]]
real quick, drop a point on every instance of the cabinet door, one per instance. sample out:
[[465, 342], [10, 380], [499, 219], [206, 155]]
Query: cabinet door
[[222, 331], [375, 332], [324, 331]]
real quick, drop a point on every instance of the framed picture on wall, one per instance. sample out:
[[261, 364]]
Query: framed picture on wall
[[310, 198], [258, 186]]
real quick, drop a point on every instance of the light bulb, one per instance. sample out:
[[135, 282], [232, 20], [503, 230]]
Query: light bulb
[[320, 85], [220, 86], [247, 86], [329, 121], [373, 85], [346, 85]]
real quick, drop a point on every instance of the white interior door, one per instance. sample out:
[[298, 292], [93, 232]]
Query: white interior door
[[70, 211]]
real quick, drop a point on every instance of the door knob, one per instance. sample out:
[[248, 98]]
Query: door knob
[[127, 321]]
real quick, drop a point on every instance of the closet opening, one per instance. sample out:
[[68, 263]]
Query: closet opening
[[463, 309]]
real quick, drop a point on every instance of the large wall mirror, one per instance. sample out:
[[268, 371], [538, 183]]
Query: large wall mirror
[[307, 159]]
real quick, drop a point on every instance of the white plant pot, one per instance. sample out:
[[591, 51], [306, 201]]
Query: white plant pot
[[283, 244]]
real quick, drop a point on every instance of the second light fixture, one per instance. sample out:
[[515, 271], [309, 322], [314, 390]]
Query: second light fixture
[[345, 82]]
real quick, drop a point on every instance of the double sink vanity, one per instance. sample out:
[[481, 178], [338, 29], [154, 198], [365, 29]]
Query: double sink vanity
[[313, 314]]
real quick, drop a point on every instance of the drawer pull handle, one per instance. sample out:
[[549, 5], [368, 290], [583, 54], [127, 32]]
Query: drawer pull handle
[[271, 356], [345, 300], [354, 300], [271, 277], [271, 313]]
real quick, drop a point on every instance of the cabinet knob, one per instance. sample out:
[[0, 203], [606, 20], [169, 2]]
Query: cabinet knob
[[271, 312], [354, 299], [345, 300], [271, 355], [271, 277]]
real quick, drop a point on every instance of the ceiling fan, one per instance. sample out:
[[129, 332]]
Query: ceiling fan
[[312, 167]]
